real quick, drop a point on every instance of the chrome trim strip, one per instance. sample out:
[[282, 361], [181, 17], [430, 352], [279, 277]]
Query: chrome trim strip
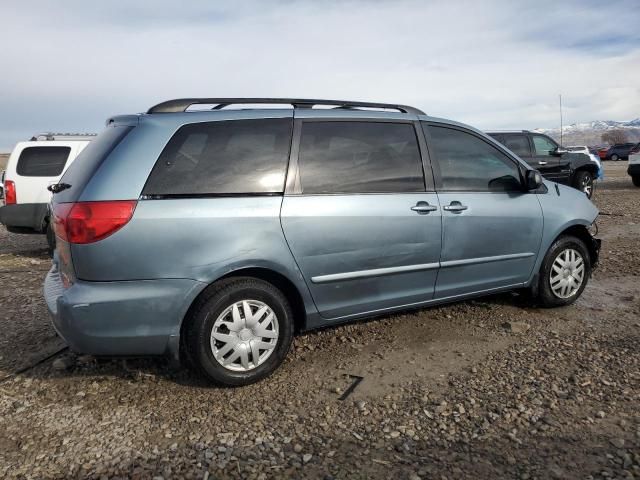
[[376, 272], [473, 261]]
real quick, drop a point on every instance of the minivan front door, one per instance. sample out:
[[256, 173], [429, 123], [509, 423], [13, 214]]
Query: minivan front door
[[363, 229], [491, 228]]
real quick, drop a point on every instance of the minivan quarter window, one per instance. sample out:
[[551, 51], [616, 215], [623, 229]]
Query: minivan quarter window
[[225, 157], [469, 163], [359, 157]]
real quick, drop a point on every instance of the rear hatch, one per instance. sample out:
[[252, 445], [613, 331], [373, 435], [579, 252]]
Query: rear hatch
[[70, 188]]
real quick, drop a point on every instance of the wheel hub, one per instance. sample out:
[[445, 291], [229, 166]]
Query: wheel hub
[[567, 273], [244, 335]]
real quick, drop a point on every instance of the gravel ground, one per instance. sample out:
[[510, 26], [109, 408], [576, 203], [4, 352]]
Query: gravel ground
[[481, 389]]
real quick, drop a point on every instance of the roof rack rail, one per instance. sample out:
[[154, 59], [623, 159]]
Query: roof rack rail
[[61, 136], [182, 104]]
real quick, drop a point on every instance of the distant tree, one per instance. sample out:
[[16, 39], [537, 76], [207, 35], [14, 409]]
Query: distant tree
[[614, 136]]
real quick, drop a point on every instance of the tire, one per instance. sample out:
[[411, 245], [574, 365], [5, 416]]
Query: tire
[[636, 180], [223, 307], [583, 181], [550, 297], [51, 238], [615, 157]]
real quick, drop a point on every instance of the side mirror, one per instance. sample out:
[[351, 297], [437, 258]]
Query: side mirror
[[558, 152], [533, 180]]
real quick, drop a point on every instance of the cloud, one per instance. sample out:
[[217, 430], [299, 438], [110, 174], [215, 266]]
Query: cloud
[[499, 64]]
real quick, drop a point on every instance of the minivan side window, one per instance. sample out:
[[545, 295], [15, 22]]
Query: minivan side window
[[518, 144], [359, 157], [543, 145], [42, 161], [468, 163], [224, 157]]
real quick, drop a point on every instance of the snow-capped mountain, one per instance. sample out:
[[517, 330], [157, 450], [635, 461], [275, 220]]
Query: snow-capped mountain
[[590, 133]]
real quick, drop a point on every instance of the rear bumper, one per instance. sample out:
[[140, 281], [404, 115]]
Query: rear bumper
[[140, 317], [634, 169], [24, 216]]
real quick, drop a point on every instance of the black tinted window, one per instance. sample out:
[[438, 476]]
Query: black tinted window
[[359, 157], [42, 161], [229, 157], [82, 169], [518, 144], [469, 163]]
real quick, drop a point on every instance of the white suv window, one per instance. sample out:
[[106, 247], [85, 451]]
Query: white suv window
[[42, 161]]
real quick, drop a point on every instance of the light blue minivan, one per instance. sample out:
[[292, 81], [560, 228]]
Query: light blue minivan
[[212, 233]]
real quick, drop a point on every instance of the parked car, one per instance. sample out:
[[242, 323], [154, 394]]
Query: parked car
[[620, 151], [32, 167], [213, 235], [634, 168], [2, 185], [554, 162], [594, 157]]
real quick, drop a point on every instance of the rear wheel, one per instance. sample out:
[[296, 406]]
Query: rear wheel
[[615, 157], [636, 180], [583, 181], [239, 331], [564, 272]]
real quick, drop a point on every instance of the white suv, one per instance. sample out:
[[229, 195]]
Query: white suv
[[32, 167]]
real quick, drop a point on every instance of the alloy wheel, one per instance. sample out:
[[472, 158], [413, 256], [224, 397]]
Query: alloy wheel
[[587, 185], [567, 273], [244, 335]]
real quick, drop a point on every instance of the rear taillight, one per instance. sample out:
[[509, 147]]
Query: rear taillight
[[87, 222], [10, 192]]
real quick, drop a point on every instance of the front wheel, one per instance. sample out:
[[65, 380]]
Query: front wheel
[[636, 180], [564, 273], [583, 181], [239, 331], [615, 157]]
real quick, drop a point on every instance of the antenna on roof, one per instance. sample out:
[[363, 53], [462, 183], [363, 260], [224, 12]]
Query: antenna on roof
[[560, 119]]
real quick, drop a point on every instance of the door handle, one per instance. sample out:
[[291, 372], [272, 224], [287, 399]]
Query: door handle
[[542, 163], [455, 207], [424, 207]]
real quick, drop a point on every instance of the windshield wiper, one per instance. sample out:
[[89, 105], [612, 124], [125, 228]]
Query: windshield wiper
[[58, 187]]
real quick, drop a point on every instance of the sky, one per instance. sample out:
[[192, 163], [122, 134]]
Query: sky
[[68, 65]]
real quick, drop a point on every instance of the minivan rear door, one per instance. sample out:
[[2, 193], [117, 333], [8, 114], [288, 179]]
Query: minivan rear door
[[363, 227]]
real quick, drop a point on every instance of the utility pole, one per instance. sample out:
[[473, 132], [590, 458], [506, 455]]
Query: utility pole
[[561, 144]]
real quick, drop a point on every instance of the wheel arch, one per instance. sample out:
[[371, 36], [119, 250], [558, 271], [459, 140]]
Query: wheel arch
[[588, 167], [279, 280], [581, 232]]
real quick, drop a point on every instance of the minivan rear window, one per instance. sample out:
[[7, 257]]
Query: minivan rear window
[[224, 158], [87, 163], [42, 161]]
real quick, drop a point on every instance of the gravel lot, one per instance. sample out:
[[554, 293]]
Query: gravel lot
[[482, 389]]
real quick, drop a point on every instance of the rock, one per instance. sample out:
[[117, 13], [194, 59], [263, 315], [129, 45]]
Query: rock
[[297, 448], [600, 414], [62, 363], [516, 326], [306, 458]]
